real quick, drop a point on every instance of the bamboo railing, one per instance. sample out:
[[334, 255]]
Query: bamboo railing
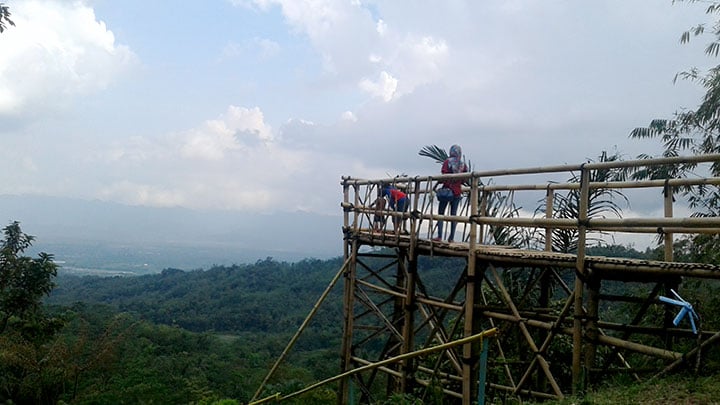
[[361, 193]]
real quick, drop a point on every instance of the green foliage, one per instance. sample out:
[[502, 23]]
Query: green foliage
[[265, 297], [402, 399], [23, 282], [601, 203], [145, 362], [220, 331], [691, 131], [114, 358], [30, 365], [676, 389], [434, 152]]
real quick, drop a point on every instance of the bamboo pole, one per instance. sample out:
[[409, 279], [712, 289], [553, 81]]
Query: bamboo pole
[[706, 158], [668, 257], [501, 352], [602, 339], [687, 224], [577, 378], [438, 333], [469, 339], [375, 309], [605, 184], [483, 213], [294, 339], [348, 322], [469, 384], [547, 340], [419, 381], [528, 338], [591, 327], [398, 298], [688, 355], [409, 306]]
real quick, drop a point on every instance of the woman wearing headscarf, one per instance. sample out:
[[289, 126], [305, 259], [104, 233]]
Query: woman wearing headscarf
[[453, 189]]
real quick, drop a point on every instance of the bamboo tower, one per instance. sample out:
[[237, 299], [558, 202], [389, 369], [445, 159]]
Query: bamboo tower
[[562, 324]]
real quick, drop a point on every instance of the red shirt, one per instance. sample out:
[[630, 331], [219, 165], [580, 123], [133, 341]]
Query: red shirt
[[395, 194], [454, 185]]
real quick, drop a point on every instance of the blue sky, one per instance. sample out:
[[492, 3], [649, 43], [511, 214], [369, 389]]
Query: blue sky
[[262, 105]]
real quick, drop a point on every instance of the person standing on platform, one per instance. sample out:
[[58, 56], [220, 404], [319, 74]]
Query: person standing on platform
[[379, 217], [398, 202], [451, 190]]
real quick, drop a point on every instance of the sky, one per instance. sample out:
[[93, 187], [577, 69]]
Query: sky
[[261, 106]]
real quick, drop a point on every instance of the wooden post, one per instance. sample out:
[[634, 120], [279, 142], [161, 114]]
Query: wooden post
[[483, 213], [410, 305], [469, 365], [668, 200], [414, 221], [592, 331], [546, 277], [348, 323], [544, 299], [577, 375], [668, 316], [395, 384], [348, 303]]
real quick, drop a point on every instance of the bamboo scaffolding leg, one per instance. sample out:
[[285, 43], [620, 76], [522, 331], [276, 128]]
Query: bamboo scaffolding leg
[[301, 329], [397, 319], [348, 314], [501, 352], [439, 333], [367, 301], [469, 365], [547, 340], [463, 341], [580, 273], [592, 331], [409, 325], [523, 329], [450, 354]]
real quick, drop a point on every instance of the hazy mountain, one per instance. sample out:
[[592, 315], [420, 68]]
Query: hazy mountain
[[103, 235]]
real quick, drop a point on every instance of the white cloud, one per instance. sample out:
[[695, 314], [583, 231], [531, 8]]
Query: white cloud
[[238, 128], [141, 194], [384, 87], [349, 116], [231, 162], [345, 33], [381, 27], [56, 51]]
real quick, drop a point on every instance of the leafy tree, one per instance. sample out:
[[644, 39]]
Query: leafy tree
[[28, 371], [695, 131], [5, 17], [23, 283]]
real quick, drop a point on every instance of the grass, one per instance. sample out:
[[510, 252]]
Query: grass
[[679, 389]]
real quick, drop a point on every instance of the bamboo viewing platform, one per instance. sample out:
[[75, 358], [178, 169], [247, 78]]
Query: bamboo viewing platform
[[565, 319]]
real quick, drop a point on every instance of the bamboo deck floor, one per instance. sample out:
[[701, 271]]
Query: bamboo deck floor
[[610, 268]]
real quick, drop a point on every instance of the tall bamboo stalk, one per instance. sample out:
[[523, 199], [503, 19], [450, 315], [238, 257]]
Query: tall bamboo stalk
[[577, 378]]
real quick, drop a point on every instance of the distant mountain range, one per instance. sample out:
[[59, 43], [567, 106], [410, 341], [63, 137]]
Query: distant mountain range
[[90, 236]]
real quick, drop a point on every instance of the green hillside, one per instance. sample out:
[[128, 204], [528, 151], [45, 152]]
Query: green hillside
[[207, 336]]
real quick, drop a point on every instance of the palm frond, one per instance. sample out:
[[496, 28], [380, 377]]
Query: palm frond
[[434, 152]]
